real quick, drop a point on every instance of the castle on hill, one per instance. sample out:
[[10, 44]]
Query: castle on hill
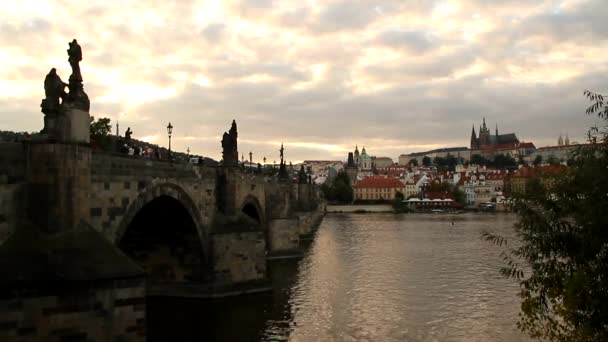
[[486, 140]]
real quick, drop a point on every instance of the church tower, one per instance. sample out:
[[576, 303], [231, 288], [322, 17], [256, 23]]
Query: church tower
[[484, 134], [474, 141], [560, 140], [357, 159]]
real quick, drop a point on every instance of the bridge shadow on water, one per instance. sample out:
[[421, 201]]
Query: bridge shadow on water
[[254, 317]]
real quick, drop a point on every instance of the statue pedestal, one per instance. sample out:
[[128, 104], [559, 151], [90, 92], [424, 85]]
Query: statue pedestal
[[75, 126], [67, 125]]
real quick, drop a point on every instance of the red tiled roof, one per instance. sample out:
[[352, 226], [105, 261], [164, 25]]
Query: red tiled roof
[[526, 145], [540, 170], [379, 182]]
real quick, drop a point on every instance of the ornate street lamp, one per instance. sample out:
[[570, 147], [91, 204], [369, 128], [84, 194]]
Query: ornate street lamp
[[169, 132]]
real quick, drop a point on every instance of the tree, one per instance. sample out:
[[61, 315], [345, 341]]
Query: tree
[[413, 162], [426, 161], [561, 257], [502, 161], [100, 131], [538, 160], [451, 162], [478, 160], [339, 189], [552, 160], [460, 196], [439, 162]]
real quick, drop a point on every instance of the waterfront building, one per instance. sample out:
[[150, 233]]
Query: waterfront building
[[378, 188]]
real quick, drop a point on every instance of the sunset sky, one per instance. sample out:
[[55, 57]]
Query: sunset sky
[[396, 76]]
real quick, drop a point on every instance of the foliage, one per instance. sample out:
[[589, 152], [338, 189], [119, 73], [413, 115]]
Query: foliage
[[398, 205], [9, 136], [552, 160], [538, 160], [413, 162], [446, 164], [426, 161], [339, 190], [502, 161], [100, 131], [459, 196], [561, 258], [479, 160]]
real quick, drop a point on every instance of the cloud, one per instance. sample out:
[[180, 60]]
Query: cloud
[[413, 41], [321, 76]]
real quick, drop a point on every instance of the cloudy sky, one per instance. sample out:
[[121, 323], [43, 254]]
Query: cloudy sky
[[397, 76]]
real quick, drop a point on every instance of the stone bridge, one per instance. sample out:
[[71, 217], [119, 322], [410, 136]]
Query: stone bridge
[[181, 222], [110, 229], [85, 235]]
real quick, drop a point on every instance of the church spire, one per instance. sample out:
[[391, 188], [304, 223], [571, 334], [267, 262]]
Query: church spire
[[474, 142], [496, 129], [485, 128]]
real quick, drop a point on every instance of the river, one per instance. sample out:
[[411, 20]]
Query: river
[[367, 277]]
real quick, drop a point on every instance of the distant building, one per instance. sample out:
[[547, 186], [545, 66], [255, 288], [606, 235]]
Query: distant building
[[382, 162], [378, 188], [488, 145], [461, 153]]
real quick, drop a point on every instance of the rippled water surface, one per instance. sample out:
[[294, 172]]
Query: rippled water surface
[[372, 277]]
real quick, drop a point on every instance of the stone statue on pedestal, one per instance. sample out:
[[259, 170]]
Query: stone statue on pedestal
[[54, 90], [68, 120], [77, 98], [75, 56]]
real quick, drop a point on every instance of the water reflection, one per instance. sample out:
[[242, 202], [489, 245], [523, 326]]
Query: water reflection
[[373, 277]]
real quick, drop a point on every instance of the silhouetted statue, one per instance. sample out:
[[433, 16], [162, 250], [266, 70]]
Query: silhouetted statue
[[230, 153], [128, 134], [75, 56], [77, 98], [54, 89]]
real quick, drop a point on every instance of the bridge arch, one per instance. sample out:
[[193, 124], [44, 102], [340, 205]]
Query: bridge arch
[[162, 230], [251, 207]]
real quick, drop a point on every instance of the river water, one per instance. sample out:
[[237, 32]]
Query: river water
[[370, 277]]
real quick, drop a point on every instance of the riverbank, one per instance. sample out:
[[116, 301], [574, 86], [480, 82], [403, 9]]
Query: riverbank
[[360, 208]]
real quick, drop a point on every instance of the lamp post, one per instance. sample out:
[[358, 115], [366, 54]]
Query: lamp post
[[169, 131], [188, 151]]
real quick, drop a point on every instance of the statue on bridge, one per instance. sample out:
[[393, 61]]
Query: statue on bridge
[[69, 119], [77, 98], [54, 89], [75, 56], [230, 153]]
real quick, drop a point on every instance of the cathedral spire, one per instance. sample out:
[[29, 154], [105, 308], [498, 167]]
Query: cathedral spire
[[497, 129], [474, 145], [485, 128]]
